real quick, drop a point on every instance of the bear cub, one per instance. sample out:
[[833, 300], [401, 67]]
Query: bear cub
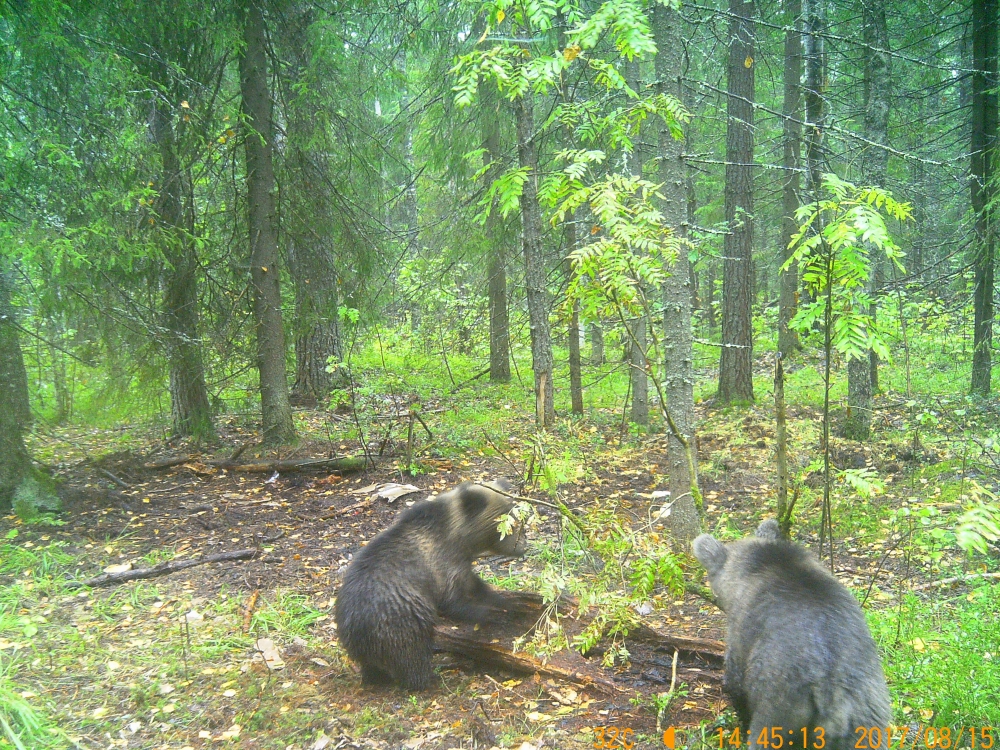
[[417, 569], [798, 650]]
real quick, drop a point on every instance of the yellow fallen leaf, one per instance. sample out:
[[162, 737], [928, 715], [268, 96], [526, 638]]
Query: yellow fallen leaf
[[232, 733]]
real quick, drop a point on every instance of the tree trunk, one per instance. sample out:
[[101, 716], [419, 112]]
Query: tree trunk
[[308, 231], [596, 343], [317, 327], [637, 346], [788, 338], [874, 168], [736, 360], [683, 522], [534, 264], [984, 191], [497, 259], [15, 409], [276, 411], [575, 369], [815, 63], [637, 371], [189, 406]]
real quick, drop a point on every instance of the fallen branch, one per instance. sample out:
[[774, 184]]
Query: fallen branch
[[473, 379], [493, 654], [120, 482], [166, 463], [171, 566], [348, 509], [956, 579]]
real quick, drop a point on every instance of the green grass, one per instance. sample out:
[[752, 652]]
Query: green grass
[[944, 655]]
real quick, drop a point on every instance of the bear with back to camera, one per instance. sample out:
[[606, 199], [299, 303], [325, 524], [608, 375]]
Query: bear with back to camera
[[799, 654], [417, 569]]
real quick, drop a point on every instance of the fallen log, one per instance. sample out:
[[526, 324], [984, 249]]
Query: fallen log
[[343, 464], [491, 646], [163, 568], [529, 603], [495, 655]]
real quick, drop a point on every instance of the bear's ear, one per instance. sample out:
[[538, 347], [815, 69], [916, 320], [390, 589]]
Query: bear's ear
[[769, 530], [474, 501], [710, 552], [503, 484]]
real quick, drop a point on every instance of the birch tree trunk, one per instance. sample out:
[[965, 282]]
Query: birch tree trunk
[[575, 368]]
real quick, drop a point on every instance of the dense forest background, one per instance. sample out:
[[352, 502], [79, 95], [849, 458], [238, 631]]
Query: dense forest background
[[726, 260]]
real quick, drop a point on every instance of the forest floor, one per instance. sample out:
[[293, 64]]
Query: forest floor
[[175, 661]]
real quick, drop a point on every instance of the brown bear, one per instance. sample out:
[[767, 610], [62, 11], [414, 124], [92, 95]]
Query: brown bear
[[799, 655], [419, 568]]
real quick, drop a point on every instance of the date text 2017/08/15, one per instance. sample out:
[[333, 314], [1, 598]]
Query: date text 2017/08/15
[[867, 738]]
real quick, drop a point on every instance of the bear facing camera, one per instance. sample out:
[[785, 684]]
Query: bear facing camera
[[417, 569], [799, 654]]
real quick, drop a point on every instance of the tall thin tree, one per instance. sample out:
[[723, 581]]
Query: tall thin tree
[[15, 410], [308, 213], [984, 186], [874, 169], [791, 111], [276, 411], [736, 359], [678, 345], [534, 262], [496, 264]]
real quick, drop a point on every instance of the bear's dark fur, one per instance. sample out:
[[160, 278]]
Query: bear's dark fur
[[798, 650], [414, 571]]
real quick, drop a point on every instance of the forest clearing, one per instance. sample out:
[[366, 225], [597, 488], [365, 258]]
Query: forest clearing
[[474, 376]]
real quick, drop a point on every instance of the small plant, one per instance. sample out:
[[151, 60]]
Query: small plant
[[980, 523], [35, 503]]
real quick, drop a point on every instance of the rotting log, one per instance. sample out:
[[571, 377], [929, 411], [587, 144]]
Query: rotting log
[[164, 568], [493, 654], [484, 647]]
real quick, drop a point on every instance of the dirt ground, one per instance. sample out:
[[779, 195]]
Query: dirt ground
[[117, 511]]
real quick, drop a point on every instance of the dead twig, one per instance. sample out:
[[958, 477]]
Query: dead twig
[[348, 509], [248, 610], [164, 568], [120, 482]]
